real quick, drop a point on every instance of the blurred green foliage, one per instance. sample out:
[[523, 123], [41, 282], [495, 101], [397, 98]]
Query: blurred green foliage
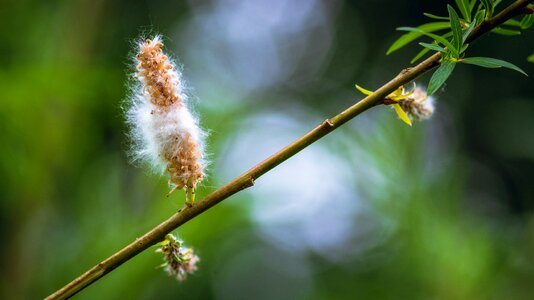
[[448, 203]]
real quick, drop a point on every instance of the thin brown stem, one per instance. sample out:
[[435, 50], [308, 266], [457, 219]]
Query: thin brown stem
[[246, 179]]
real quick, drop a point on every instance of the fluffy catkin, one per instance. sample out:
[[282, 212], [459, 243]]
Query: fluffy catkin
[[167, 134], [418, 106]]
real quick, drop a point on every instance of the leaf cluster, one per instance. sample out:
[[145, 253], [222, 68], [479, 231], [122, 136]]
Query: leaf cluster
[[453, 43]]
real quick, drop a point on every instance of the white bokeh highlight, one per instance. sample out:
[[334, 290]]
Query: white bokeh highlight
[[246, 47], [310, 202]]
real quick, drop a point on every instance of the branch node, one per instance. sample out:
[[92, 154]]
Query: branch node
[[404, 71], [249, 183], [328, 123]]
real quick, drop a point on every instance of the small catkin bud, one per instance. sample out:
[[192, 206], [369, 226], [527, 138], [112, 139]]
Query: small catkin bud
[[166, 133], [179, 261], [419, 106]]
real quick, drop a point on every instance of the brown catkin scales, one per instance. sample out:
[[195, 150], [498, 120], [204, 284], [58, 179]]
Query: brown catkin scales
[[179, 261], [155, 71]]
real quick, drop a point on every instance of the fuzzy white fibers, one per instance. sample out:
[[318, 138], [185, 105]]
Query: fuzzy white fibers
[[165, 133]]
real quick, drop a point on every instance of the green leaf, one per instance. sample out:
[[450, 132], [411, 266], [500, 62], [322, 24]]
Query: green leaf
[[489, 6], [472, 4], [440, 76], [456, 27], [527, 22], [465, 9], [434, 36], [433, 47], [479, 16], [419, 55], [503, 31], [469, 30], [409, 37], [512, 22], [425, 50], [488, 62], [531, 58], [431, 16]]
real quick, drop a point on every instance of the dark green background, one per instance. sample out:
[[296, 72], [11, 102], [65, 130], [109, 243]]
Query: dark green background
[[442, 210]]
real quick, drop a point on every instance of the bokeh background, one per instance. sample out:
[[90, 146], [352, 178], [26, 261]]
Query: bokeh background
[[376, 210]]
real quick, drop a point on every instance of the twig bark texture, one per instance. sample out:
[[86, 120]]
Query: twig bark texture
[[246, 179]]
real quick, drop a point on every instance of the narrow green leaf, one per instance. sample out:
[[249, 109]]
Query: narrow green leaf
[[419, 55], [472, 4], [440, 76], [508, 32], [431, 16], [531, 58], [488, 62], [527, 22], [469, 30], [464, 7], [489, 6], [411, 36], [479, 16], [456, 27], [426, 50], [512, 22], [433, 47], [434, 36]]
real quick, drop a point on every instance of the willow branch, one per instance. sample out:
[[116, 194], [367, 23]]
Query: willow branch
[[246, 179]]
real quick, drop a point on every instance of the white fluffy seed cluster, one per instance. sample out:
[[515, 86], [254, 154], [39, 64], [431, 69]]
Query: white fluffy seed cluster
[[419, 106], [166, 134]]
